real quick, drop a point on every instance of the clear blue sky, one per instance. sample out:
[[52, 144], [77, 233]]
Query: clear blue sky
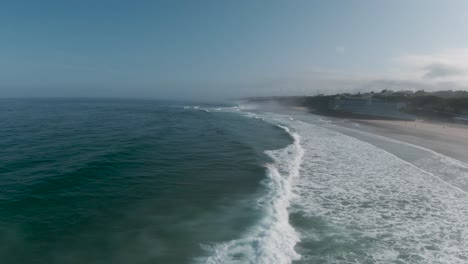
[[196, 49]]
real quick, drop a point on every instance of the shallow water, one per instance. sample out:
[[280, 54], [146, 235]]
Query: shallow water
[[356, 202]]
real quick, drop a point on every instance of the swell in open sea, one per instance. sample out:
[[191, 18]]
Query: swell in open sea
[[120, 181]]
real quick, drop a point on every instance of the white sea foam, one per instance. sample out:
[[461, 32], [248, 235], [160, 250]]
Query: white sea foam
[[273, 239], [239, 109], [357, 204], [450, 170], [372, 207], [198, 108]]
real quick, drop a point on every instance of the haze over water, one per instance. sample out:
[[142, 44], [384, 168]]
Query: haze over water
[[217, 50], [123, 139]]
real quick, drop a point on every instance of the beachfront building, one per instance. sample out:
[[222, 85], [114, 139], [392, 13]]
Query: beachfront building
[[369, 107]]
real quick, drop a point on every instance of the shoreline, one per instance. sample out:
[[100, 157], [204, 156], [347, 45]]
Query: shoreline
[[448, 139]]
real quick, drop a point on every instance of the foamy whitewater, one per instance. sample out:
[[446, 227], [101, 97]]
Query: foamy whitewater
[[273, 239], [140, 181], [336, 198]]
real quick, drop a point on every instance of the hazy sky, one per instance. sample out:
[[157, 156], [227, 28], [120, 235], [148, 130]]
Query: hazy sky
[[196, 49]]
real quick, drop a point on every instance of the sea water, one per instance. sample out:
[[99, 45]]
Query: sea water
[[133, 181]]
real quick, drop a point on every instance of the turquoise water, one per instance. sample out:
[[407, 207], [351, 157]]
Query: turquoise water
[[114, 181], [121, 181]]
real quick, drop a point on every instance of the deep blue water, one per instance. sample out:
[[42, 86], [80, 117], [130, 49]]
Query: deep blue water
[[121, 181]]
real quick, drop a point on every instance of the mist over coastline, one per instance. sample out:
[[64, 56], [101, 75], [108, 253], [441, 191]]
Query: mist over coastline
[[228, 132]]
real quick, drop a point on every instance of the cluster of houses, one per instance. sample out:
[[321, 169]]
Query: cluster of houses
[[369, 107]]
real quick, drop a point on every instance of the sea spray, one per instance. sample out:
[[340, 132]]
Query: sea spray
[[273, 239]]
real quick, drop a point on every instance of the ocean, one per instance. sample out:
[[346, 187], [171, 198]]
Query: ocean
[[142, 181]]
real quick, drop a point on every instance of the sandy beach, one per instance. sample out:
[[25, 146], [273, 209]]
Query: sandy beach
[[449, 139], [446, 138]]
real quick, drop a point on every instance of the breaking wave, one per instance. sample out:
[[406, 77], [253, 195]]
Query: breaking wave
[[273, 239]]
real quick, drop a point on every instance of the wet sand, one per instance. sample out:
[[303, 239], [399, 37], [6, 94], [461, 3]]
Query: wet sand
[[446, 138]]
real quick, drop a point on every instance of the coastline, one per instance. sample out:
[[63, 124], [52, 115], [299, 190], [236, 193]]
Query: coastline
[[448, 139], [404, 179]]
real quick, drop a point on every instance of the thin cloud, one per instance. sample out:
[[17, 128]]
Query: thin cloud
[[447, 66], [446, 70], [438, 70]]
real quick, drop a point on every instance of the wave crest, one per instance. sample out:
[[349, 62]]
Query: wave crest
[[273, 239]]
